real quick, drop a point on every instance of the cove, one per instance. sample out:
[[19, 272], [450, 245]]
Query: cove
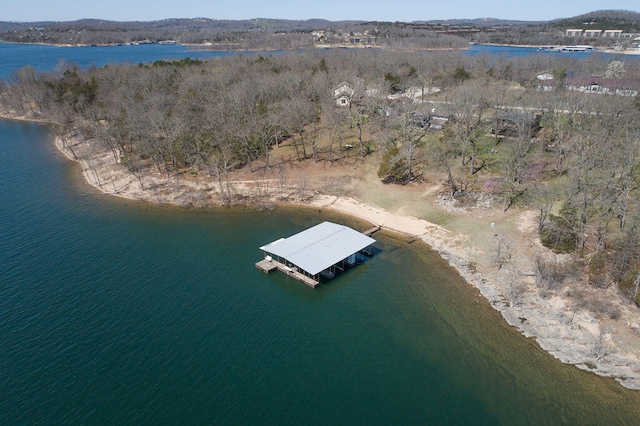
[[119, 312]]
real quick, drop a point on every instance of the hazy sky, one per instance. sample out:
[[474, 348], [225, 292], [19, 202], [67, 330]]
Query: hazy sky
[[389, 10]]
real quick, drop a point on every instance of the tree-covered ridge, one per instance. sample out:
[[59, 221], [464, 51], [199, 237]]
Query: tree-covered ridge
[[280, 34], [484, 127], [255, 34], [625, 20]]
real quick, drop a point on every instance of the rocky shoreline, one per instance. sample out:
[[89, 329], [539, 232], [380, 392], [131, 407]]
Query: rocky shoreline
[[577, 338], [607, 347]]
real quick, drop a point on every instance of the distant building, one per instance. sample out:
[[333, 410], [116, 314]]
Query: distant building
[[343, 95], [578, 32], [592, 33], [437, 122], [612, 33], [594, 85], [545, 75], [604, 86]]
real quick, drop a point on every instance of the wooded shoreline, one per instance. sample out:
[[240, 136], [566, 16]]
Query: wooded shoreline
[[476, 158], [571, 344]]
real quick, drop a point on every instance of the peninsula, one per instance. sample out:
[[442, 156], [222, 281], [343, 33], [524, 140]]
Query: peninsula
[[522, 173]]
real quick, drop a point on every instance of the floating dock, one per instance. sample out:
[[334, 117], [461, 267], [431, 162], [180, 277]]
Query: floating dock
[[319, 250], [268, 265]]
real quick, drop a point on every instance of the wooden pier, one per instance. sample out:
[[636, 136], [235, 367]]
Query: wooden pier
[[268, 265], [368, 232]]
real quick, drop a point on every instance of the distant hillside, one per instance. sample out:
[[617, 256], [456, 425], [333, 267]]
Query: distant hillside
[[198, 30], [175, 25], [625, 20], [281, 34], [252, 34], [481, 22]]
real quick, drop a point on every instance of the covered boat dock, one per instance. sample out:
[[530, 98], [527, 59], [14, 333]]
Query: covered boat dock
[[319, 250]]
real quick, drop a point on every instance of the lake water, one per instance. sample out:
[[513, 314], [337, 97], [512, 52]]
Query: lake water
[[117, 312], [44, 58]]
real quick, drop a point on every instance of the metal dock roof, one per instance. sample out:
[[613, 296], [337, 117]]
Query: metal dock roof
[[319, 247]]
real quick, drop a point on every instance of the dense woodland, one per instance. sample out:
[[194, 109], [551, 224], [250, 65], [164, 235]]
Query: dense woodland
[[573, 157], [256, 34]]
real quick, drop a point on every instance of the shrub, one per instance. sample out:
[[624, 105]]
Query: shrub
[[597, 270], [559, 233], [550, 274], [628, 285], [393, 167]]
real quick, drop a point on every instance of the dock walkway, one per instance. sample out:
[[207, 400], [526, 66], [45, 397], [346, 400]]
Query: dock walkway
[[268, 265], [368, 232]]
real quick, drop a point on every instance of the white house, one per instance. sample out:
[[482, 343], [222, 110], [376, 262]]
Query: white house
[[545, 75], [343, 95]]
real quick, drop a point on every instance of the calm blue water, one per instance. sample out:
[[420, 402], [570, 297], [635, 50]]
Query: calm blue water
[[519, 52], [46, 58], [119, 312], [115, 312]]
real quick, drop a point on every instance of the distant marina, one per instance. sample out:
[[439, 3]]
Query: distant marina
[[575, 48]]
